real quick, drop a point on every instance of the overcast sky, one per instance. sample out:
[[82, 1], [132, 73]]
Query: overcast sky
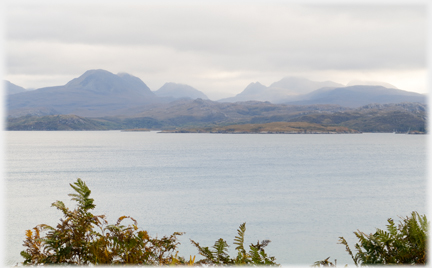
[[218, 47]]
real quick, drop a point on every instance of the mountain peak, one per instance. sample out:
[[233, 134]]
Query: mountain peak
[[104, 82], [254, 88], [89, 76]]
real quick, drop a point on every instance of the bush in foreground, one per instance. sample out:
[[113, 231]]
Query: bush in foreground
[[82, 238], [405, 243]]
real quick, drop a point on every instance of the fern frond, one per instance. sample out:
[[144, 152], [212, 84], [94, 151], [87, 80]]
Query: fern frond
[[347, 248], [239, 240], [221, 247], [82, 196], [204, 251]]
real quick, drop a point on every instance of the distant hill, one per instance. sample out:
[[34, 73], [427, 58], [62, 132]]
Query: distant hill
[[54, 122], [399, 118], [179, 91], [12, 88], [356, 96], [95, 93], [287, 88]]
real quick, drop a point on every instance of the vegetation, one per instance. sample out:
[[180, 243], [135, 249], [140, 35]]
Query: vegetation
[[82, 238], [405, 243], [219, 254]]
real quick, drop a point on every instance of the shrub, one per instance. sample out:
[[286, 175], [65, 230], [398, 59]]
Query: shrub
[[219, 253], [82, 238], [405, 243]]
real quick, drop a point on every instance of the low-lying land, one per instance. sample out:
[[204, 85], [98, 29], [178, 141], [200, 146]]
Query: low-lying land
[[270, 128], [204, 114], [135, 129]]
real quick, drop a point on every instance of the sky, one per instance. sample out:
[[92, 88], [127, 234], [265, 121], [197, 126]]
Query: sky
[[217, 47]]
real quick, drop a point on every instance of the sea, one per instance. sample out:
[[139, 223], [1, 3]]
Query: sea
[[300, 191]]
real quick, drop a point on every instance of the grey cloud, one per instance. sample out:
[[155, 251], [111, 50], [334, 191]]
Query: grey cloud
[[192, 38]]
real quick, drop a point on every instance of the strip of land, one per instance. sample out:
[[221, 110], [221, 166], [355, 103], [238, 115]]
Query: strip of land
[[269, 128]]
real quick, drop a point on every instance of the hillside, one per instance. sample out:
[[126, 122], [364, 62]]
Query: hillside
[[53, 122]]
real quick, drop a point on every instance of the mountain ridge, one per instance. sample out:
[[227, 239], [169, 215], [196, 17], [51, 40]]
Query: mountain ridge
[[11, 88]]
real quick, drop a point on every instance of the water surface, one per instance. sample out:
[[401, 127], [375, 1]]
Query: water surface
[[300, 191]]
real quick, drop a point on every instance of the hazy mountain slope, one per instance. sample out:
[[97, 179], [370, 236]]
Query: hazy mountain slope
[[370, 83], [95, 93], [11, 88], [177, 91], [299, 85], [287, 88], [253, 92], [356, 96]]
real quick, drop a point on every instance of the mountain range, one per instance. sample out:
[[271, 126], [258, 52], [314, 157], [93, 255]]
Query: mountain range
[[99, 93], [126, 101], [301, 91]]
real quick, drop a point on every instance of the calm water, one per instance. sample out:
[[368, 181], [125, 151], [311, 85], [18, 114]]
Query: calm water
[[300, 191]]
